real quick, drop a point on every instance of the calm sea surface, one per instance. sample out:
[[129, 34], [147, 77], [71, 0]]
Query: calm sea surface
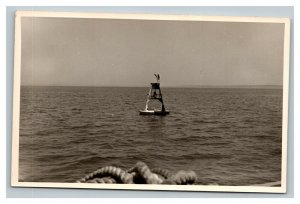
[[227, 136]]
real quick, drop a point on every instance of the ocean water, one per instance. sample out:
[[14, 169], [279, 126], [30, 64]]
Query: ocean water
[[227, 136]]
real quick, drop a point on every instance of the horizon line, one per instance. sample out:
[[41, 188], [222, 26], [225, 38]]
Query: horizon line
[[184, 86]]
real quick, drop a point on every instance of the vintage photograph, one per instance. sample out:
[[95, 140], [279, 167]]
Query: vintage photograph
[[158, 102]]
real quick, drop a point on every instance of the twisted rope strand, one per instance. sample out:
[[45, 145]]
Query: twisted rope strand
[[111, 171], [182, 178], [162, 172], [145, 172]]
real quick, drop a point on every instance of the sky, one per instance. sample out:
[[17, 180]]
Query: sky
[[109, 52]]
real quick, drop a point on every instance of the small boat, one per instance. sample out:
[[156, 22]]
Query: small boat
[[155, 94]]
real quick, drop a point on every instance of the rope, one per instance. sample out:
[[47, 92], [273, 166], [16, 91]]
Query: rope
[[182, 178], [109, 171], [139, 174], [163, 172]]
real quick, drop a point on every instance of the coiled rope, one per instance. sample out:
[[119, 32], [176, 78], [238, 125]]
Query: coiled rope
[[139, 174]]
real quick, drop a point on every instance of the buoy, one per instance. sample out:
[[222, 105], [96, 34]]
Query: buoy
[[155, 94]]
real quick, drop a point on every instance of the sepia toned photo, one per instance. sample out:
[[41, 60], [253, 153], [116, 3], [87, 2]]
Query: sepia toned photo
[[153, 102]]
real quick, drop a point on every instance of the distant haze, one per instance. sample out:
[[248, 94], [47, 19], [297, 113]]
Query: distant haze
[[105, 52]]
